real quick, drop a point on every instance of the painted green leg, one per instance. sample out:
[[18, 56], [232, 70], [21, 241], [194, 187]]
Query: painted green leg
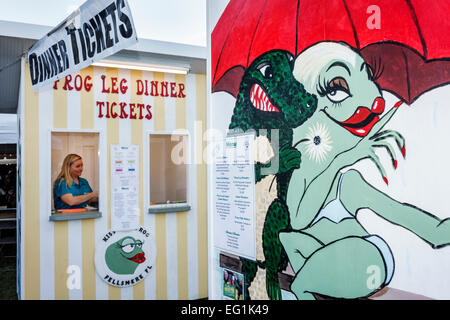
[[433, 230], [342, 269], [249, 269], [277, 219], [299, 246]]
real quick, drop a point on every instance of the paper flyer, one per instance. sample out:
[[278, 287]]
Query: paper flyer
[[234, 196], [124, 187]]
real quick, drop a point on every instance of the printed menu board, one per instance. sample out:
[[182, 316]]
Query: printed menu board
[[234, 196], [124, 187]]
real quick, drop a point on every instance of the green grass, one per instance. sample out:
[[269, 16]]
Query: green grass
[[8, 278]]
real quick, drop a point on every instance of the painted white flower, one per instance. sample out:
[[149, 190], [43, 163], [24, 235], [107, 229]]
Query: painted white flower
[[319, 143]]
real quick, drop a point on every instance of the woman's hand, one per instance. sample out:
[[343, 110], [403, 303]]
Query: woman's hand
[[71, 200], [376, 138], [311, 203]]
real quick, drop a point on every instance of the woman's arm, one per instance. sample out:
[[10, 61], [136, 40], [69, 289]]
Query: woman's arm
[[356, 194], [71, 200], [313, 196], [317, 191]]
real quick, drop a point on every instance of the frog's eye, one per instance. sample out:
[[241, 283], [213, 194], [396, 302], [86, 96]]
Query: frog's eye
[[128, 248], [139, 244], [128, 245], [266, 70]]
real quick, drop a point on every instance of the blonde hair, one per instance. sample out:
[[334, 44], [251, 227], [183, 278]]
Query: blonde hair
[[64, 174], [311, 61]]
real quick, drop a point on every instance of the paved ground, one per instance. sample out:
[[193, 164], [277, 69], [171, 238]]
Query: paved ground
[[8, 278]]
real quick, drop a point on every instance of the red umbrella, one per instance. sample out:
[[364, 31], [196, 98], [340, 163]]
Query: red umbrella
[[410, 45]]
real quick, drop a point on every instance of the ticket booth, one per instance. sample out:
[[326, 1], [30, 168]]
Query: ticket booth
[[139, 135]]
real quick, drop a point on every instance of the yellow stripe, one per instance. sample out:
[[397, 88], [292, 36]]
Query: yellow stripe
[[31, 200], [180, 104], [87, 100], [112, 138], [136, 133], [88, 225], [136, 138], [159, 121], [61, 228], [88, 269], [182, 242], [159, 116], [202, 225], [161, 258], [182, 237]]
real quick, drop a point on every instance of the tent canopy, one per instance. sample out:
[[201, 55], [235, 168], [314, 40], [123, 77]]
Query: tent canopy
[[8, 128]]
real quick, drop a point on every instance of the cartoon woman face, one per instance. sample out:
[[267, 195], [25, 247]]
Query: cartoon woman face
[[349, 100], [344, 101]]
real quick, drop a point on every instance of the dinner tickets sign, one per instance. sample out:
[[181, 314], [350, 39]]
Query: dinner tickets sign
[[96, 30]]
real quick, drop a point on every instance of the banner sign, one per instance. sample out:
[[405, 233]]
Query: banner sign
[[96, 30]]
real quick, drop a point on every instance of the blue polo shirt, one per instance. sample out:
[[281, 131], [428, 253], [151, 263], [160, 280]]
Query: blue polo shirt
[[77, 189]]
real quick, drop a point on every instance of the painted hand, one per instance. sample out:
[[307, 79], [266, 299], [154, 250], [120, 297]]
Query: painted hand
[[290, 158], [378, 139]]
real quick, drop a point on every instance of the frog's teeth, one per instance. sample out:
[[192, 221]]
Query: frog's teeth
[[260, 100]]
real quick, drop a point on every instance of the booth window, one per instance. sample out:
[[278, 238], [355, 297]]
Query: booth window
[[168, 172], [74, 175]]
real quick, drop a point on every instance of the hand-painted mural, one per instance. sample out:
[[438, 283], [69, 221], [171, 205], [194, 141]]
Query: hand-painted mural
[[270, 98], [316, 71], [323, 201]]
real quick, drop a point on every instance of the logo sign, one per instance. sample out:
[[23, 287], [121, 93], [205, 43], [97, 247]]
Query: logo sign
[[123, 259], [96, 30]]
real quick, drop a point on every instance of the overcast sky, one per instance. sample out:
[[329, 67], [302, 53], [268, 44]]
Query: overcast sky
[[182, 21]]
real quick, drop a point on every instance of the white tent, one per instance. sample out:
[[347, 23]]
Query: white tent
[[8, 128]]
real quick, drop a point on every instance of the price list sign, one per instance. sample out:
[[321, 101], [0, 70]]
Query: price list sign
[[124, 187], [234, 196]]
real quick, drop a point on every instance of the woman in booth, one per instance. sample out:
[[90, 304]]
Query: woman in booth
[[70, 191]]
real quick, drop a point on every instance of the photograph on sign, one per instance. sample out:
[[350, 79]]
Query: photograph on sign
[[233, 285]]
